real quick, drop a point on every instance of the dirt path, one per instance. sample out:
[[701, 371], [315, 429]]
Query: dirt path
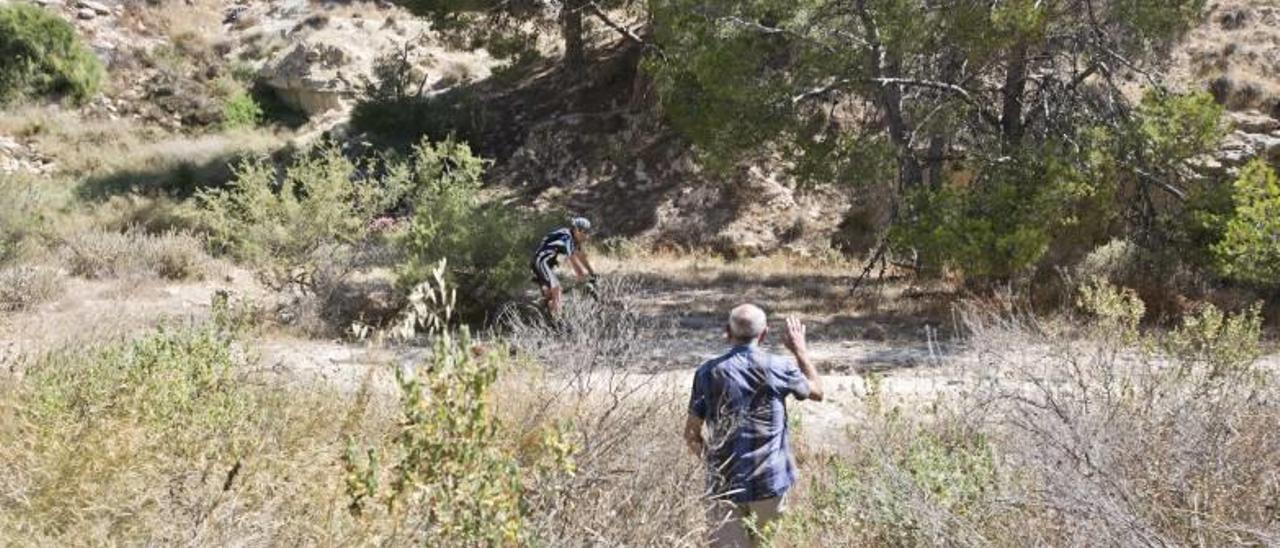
[[912, 363], [690, 306], [90, 311]]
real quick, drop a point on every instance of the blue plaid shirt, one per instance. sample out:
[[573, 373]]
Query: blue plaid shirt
[[740, 396]]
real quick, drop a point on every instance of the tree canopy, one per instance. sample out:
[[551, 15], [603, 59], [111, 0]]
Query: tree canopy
[[995, 125]]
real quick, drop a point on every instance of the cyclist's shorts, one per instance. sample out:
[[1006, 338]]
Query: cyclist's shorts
[[544, 272]]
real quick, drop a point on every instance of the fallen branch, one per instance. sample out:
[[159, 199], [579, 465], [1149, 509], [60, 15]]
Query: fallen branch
[[875, 258]]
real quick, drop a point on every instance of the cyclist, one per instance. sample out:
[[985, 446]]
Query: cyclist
[[568, 242]]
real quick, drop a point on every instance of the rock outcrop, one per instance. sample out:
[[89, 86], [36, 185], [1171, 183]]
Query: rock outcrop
[[330, 58], [1253, 135], [17, 158]]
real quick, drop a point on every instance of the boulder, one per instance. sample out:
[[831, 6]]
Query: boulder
[[97, 8], [326, 66], [1253, 121], [309, 77]]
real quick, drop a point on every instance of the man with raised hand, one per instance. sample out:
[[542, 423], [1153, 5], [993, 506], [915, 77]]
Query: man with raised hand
[[740, 399]]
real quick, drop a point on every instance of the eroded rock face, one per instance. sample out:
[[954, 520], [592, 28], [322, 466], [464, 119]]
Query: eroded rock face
[[1254, 135], [309, 77], [328, 59]]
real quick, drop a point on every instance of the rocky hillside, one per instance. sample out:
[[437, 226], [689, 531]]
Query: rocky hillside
[[1235, 55], [609, 155]]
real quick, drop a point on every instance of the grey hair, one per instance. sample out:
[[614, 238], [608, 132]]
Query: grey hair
[[746, 322]]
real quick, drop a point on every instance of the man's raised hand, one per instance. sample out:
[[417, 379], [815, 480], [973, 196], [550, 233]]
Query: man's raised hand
[[793, 337]]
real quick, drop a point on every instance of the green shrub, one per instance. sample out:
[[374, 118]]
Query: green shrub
[[240, 110], [175, 436], [287, 226], [107, 430], [447, 474], [486, 244], [458, 112], [1049, 204], [40, 54], [997, 228], [175, 381], [25, 211], [1250, 247]]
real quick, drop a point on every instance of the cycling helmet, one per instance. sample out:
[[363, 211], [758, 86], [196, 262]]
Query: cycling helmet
[[581, 223]]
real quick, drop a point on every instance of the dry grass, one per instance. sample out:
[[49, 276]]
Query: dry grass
[[191, 19], [701, 286], [1090, 435], [1234, 55], [122, 155], [23, 287], [100, 254]]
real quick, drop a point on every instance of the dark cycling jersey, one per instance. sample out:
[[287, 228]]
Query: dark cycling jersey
[[558, 241], [546, 258]]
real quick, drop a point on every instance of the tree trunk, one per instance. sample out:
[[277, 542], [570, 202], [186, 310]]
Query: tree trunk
[[882, 65], [575, 56], [1015, 85], [952, 63]]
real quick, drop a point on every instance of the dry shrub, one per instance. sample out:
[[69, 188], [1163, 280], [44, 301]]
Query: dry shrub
[[153, 214], [1083, 434], [162, 441], [633, 483], [173, 255], [97, 254], [22, 287], [1131, 439]]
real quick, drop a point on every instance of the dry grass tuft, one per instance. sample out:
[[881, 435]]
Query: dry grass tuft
[[101, 254], [23, 287], [122, 155]]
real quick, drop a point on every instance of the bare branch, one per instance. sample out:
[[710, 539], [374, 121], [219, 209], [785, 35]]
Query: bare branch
[[842, 83], [594, 9], [1175, 191]]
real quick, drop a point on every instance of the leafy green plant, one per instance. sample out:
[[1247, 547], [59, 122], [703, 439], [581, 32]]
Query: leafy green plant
[[240, 110], [1118, 310], [889, 495], [173, 379], [40, 54], [1222, 344], [447, 474], [1250, 247], [287, 226], [486, 244]]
